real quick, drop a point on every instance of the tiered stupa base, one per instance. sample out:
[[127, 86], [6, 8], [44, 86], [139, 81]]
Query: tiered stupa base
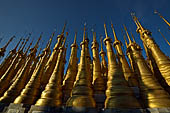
[[16, 108], [22, 108]]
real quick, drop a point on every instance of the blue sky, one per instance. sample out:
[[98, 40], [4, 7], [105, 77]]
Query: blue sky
[[20, 17]]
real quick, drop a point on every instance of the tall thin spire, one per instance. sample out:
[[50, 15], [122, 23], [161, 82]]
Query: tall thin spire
[[105, 29], [25, 42], [94, 37], [17, 44], [114, 32], [130, 41], [64, 27], [159, 14], [75, 38], [9, 42], [164, 37], [84, 33], [101, 44], [21, 44], [137, 22], [132, 37], [124, 37], [26, 51], [3, 49], [36, 45]]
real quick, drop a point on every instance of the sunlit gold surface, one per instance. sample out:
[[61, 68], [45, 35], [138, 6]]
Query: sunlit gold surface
[[128, 74], [12, 70], [71, 72], [104, 69], [52, 95], [118, 94], [98, 82], [152, 94], [155, 70], [50, 65], [162, 61], [8, 60], [32, 90], [16, 87], [89, 61], [82, 94]]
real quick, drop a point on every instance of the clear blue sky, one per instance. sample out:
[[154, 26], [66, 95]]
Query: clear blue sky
[[24, 16]]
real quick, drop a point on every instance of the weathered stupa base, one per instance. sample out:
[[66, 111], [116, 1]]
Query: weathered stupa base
[[22, 108], [16, 108], [3, 106]]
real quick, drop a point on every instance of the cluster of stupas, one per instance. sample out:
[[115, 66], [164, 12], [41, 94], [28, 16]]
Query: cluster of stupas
[[31, 83]]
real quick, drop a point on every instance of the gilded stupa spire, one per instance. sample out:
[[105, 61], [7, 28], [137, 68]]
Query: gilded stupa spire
[[133, 37], [75, 38], [114, 34], [129, 76], [82, 98], [28, 48], [104, 69], [98, 82], [130, 57], [64, 27], [14, 50], [12, 70], [101, 44], [50, 65], [33, 66], [124, 37], [26, 40], [164, 37], [22, 43], [3, 49], [33, 86], [159, 14], [115, 93], [130, 41], [17, 86], [64, 59], [105, 29], [8, 60], [162, 61], [154, 98], [52, 95], [89, 61], [71, 72]]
